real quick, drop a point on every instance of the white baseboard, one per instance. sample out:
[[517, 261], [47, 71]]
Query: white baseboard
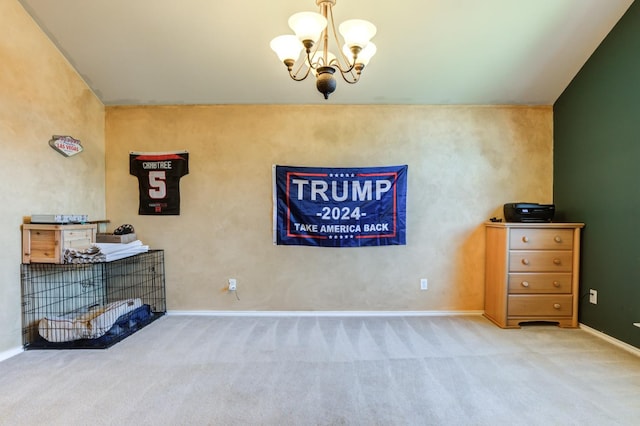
[[10, 353], [325, 313], [612, 340]]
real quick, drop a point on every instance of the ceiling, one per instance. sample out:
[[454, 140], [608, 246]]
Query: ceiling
[[433, 52]]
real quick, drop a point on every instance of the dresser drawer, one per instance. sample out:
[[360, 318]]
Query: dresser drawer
[[540, 305], [539, 283], [541, 239], [540, 261]]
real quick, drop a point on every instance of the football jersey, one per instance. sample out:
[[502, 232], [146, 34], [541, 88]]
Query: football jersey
[[159, 181]]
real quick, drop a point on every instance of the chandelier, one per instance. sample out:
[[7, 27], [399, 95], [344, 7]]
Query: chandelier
[[312, 35]]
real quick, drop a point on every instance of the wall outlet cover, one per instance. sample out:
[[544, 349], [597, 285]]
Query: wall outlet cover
[[424, 284]]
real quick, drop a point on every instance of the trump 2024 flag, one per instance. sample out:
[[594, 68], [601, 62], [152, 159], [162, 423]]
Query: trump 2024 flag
[[340, 207]]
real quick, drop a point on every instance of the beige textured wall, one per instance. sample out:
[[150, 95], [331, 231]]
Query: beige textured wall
[[464, 163], [40, 96]]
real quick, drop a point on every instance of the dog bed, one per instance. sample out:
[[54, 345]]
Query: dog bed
[[89, 325]]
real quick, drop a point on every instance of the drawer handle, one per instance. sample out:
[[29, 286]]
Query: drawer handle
[[556, 261], [556, 306], [525, 239], [557, 239], [525, 261], [556, 284], [524, 284]]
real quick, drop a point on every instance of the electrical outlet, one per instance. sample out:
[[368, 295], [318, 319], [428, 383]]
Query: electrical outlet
[[424, 284], [593, 296], [232, 284]]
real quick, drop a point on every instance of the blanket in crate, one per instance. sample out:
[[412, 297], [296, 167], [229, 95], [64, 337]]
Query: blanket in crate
[[88, 325]]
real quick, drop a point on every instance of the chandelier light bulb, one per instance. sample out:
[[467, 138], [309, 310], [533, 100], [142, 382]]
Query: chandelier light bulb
[[357, 32], [286, 47], [364, 56], [308, 25], [367, 53]]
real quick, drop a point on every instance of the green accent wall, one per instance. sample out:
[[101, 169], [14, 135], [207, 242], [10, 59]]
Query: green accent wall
[[597, 177]]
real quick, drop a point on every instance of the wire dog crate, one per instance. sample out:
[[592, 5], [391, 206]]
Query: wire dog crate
[[93, 305]]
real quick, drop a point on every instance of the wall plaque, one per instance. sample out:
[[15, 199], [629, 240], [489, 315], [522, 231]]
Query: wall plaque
[[66, 145]]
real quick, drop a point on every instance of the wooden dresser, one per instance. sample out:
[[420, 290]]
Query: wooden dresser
[[532, 273]]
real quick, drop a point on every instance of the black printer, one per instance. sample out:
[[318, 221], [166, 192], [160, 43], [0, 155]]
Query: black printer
[[529, 212]]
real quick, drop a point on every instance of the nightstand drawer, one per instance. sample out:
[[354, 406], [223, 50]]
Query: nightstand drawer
[[540, 305], [539, 283], [540, 261], [541, 239]]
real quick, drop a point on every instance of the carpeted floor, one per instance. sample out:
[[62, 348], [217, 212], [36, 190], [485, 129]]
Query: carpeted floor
[[201, 370]]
